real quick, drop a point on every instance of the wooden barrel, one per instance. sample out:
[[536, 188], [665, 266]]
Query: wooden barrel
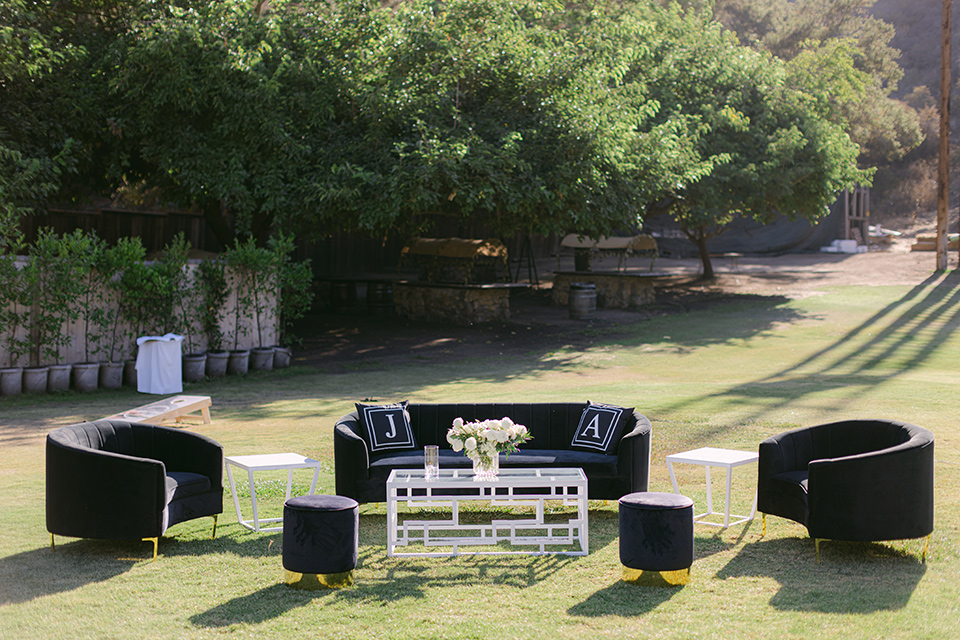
[[582, 300], [380, 298]]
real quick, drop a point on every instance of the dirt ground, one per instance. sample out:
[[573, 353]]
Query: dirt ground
[[341, 342]]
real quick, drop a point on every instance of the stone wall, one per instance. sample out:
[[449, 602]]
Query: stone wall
[[455, 304], [615, 289]]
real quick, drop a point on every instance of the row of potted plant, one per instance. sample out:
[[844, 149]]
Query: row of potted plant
[[71, 304]]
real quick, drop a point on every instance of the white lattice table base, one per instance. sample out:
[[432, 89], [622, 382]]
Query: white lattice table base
[[456, 535]]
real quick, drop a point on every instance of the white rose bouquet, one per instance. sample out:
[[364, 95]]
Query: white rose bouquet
[[483, 440]]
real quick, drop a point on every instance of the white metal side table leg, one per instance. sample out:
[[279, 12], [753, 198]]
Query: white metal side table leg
[[253, 499], [286, 496], [726, 508], [673, 477], [233, 490], [709, 492]]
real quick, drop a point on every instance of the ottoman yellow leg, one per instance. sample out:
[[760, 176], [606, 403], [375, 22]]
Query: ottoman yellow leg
[[315, 581], [657, 578]]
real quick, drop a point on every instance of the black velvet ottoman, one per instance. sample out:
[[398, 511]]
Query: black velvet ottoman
[[320, 535], [656, 538]]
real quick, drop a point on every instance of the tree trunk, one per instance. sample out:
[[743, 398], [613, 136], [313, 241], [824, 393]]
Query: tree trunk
[[701, 242]]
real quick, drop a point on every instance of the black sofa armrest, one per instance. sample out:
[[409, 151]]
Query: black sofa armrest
[[878, 495], [99, 494], [351, 454], [633, 454], [782, 453], [181, 450]]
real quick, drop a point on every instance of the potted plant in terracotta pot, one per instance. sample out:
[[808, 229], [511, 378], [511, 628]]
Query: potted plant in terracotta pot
[[214, 292], [111, 310], [83, 289], [248, 264], [53, 278], [11, 319], [255, 271], [175, 264], [135, 292], [294, 280]]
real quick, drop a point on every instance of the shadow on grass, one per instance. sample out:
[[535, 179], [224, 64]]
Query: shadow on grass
[[380, 579], [624, 600], [79, 562], [266, 604], [42, 572], [539, 340], [897, 339], [853, 577], [631, 600], [409, 578]]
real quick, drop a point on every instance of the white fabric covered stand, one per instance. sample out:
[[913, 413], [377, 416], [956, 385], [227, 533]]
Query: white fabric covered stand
[[159, 365]]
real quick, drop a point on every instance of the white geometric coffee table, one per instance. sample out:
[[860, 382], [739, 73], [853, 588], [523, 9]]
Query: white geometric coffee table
[[713, 457], [267, 462], [456, 535]]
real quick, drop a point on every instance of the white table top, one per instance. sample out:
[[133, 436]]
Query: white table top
[[507, 477], [714, 456], [269, 461]]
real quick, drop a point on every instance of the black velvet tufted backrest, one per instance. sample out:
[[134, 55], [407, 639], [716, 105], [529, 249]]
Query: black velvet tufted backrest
[[173, 447], [115, 436], [552, 424], [848, 438]]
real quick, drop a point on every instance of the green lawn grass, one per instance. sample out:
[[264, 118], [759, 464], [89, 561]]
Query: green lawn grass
[[726, 377]]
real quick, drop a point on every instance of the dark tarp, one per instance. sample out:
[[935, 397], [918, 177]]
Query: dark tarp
[[748, 237]]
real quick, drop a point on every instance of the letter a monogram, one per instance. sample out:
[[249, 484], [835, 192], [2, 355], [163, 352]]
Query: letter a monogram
[[594, 427]]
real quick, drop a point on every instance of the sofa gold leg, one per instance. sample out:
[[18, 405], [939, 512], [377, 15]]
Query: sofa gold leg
[[763, 533], [53, 545], [213, 536], [155, 541], [816, 543], [923, 557]]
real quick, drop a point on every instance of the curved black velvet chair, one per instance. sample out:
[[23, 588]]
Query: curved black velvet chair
[[860, 480], [118, 480]]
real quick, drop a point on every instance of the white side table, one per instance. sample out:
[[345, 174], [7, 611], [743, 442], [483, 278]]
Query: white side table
[[267, 462], [712, 457]]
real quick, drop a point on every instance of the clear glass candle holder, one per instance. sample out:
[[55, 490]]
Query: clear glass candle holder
[[431, 461]]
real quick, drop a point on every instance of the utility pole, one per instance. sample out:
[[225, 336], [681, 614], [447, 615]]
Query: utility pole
[[943, 173]]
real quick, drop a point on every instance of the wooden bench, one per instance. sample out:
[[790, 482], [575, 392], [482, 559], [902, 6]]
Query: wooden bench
[[176, 408]]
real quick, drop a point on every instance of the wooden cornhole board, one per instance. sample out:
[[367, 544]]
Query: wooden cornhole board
[[176, 408]]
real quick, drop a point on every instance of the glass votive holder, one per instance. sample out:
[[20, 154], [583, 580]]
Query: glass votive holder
[[431, 461]]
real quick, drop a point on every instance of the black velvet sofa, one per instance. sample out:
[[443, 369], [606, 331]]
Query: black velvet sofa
[[362, 475], [859, 480], [117, 480]]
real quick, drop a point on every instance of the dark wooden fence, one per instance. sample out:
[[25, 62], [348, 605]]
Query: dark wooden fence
[[333, 255], [154, 228]]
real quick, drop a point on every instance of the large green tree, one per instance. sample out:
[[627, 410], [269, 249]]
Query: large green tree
[[491, 111], [814, 35], [527, 116], [33, 153], [201, 111], [771, 146]]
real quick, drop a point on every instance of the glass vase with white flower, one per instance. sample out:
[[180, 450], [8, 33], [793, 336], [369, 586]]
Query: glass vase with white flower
[[484, 440]]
